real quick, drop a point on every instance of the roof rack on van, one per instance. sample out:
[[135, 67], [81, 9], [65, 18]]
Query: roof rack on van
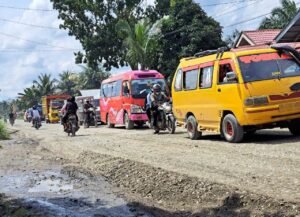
[[218, 51]]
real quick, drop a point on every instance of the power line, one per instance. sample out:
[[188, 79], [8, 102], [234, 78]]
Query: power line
[[254, 18], [225, 3], [227, 12], [26, 9], [31, 41], [28, 24], [32, 50]]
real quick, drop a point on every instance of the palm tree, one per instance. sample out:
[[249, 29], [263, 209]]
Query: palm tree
[[91, 79], [30, 96], [280, 16], [45, 85], [139, 41], [67, 82]]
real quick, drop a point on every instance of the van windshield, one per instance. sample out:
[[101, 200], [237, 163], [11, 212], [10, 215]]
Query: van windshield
[[140, 88], [268, 66]]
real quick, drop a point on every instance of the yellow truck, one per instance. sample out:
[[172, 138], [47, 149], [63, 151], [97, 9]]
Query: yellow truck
[[52, 106]]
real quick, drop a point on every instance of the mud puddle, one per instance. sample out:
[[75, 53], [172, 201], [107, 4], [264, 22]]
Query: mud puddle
[[58, 194], [35, 183]]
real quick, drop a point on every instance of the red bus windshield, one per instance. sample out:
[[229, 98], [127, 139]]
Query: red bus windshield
[[140, 88], [268, 66]]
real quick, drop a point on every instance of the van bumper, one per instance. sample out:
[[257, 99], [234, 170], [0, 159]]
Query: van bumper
[[272, 113]]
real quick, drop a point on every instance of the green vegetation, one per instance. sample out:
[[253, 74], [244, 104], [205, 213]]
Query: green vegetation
[[280, 16], [3, 131]]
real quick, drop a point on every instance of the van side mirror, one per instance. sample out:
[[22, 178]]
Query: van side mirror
[[231, 77]]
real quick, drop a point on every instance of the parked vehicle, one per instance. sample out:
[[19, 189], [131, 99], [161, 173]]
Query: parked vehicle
[[165, 118], [238, 91], [123, 96], [72, 127], [80, 100], [52, 106]]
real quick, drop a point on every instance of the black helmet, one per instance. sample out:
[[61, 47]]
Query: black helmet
[[72, 99], [34, 107]]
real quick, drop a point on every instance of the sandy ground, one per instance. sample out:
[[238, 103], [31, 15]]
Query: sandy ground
[[170, 175]]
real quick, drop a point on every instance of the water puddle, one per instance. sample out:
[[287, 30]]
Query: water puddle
[[49, 185]]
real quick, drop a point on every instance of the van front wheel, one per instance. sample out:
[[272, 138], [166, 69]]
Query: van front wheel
[[294, 127], [231, 129], [192, 128]]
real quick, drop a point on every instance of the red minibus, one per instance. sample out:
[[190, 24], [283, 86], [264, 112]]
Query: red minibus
[[123, 97]]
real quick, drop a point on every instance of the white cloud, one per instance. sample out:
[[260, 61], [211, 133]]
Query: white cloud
[[18, 68]]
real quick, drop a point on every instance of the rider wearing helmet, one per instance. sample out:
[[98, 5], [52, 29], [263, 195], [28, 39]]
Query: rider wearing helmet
[[157, 98], [87, 105], [71, 108]]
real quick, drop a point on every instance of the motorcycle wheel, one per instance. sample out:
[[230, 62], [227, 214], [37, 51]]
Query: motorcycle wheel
[[171, 125], [73, 130]]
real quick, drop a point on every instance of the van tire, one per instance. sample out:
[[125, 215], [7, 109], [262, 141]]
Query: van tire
[[129, 124], [192, 128], [233, 132], [109, 125], [294, 127]]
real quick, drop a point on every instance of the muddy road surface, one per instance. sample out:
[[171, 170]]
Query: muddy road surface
[[137, 173]]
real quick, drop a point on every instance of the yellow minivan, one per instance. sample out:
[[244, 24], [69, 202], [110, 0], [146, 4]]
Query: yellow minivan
[[238, 91]]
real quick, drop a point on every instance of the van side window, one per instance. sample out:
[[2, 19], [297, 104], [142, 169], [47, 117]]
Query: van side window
[[190, 79], [104, 91], [116, 88], [178, 81], [126, 90], [206, 75], [225, 69]]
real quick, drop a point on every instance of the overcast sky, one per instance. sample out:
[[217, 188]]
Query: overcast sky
[[21, 61]]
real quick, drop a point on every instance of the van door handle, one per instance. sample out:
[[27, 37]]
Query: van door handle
[[219, 90]]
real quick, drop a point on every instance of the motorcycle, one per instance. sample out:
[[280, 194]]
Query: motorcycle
[[165, 118], [12, 121], [37, 123], [90, 118], [72, 127]]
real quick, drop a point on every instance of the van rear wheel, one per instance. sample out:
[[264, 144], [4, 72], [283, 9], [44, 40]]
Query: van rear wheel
[[294, 127], [231, 129], [192, 128]]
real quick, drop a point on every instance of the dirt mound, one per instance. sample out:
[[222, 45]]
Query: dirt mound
[[165, 193]]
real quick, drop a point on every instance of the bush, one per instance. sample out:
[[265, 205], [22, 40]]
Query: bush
[[3, 131]]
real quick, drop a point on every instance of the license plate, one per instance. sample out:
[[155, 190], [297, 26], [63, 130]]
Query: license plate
[[289, 106]]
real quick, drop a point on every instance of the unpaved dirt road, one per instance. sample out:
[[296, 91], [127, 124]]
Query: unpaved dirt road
[[170, 175]]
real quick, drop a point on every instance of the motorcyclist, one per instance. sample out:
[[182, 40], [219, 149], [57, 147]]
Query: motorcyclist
[[157, 98], [148, 104], [87, 105], [35, 115], [11, 117], [71, 108]]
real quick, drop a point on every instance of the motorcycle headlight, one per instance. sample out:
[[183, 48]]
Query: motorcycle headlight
[[135, 109]]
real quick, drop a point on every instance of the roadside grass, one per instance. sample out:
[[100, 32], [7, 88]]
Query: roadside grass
[[3, 131]]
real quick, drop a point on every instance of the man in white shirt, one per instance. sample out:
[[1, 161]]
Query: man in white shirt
[[35, 114]]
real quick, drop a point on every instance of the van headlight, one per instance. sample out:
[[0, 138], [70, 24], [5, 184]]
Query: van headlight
[[135, 109], [254, 101]]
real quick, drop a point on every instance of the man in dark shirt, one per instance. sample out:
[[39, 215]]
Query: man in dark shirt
[[71, 108]]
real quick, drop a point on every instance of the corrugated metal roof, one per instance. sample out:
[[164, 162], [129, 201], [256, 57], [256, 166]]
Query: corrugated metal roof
[[291, 33], [93, 92]]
